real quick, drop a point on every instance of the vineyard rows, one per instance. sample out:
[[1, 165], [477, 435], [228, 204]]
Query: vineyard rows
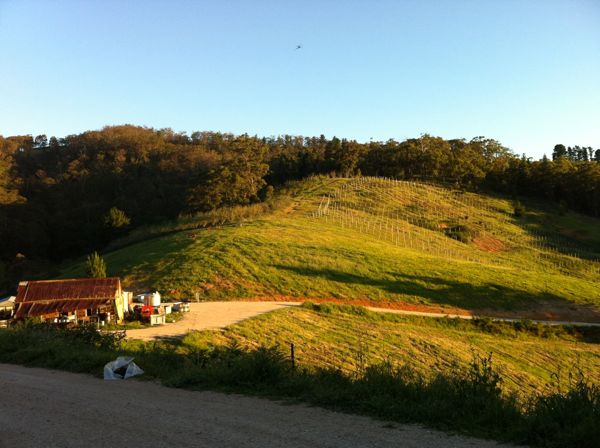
[[430, 218]]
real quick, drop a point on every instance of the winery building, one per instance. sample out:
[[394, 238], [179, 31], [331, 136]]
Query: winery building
[[81, 300]]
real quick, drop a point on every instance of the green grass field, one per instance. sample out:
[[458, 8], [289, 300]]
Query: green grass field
[[378, 241], [530, 358]]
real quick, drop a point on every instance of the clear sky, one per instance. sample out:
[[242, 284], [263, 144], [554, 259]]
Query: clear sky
[[524, 72]]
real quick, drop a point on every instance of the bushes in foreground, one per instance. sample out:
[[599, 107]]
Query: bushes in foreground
[[468, 400], [566, 418]]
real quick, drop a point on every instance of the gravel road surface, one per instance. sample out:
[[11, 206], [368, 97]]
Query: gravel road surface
[[47, 408]]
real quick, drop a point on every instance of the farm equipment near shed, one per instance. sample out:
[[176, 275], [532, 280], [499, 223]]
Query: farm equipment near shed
[[151, 314]]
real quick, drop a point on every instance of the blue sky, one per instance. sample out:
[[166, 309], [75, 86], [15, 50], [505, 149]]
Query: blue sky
[[524, 72]]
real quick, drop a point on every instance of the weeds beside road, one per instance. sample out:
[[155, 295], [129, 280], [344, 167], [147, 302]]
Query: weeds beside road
[[468, 400]]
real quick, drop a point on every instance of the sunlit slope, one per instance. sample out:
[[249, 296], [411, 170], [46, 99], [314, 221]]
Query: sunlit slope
[[451, 223], [350, 338], [380, 241]]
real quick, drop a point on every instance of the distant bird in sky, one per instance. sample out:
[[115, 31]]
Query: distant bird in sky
[[298, 47]]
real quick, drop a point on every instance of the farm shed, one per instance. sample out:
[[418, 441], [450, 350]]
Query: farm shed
[[76, 300]]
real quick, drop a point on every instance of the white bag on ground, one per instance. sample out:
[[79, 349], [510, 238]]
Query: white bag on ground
[[121, 368]]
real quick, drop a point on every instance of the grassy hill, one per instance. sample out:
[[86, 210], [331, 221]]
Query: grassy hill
[[376, 241], [387, 243], [531, 358]]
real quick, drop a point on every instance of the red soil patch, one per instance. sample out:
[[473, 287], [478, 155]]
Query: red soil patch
[[488, 244]]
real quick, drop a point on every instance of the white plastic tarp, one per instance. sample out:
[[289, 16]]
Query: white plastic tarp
[[121, 368]]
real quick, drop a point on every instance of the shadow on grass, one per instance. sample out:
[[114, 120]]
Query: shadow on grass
[[443, 291], [154, 260], [567, 234]]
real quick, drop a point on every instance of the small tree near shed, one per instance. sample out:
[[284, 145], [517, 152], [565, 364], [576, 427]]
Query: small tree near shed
[[95, 266]]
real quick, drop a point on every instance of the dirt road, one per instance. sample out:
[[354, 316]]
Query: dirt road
[[208, 315], [46, 408], [214, 315], [470, 317]]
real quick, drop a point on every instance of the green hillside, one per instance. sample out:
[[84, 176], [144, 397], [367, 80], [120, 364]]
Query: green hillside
[[529, 357], [378, 241]]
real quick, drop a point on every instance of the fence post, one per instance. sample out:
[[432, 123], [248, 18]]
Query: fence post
[[292, 356]]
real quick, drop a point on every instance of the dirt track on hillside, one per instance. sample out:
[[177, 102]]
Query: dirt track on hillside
[[537, 310], [46, 408], [215, 315]]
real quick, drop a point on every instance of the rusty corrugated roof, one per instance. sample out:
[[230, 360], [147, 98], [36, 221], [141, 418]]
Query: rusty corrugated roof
[[37, 298], [40, 308], [73, 289]]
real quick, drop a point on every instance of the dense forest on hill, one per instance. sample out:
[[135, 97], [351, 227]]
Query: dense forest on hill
[[68, 196]]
